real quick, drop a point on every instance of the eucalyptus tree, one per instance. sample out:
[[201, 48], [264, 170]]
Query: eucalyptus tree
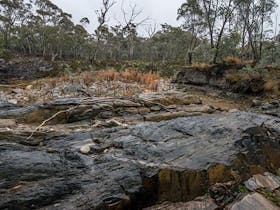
[[255, 17], [208, 17], [102, 28], [12, 13], [132, 19], [191, 13]]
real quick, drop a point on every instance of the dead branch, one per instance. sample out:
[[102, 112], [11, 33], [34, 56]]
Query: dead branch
[[151, 30], [51, 118], [131, 16], [102, 13]]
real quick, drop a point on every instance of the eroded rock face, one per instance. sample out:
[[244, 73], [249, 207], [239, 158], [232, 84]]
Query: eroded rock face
[[213, 75], [24, 70], [221, 76], [135, 166], [151, 107]]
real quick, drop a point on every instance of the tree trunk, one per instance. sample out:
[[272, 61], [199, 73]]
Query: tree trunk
[[261, 37], [243, 42], [190, 58], [217, 47]]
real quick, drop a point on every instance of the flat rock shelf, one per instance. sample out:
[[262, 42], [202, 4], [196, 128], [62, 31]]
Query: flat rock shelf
[[134, 167]]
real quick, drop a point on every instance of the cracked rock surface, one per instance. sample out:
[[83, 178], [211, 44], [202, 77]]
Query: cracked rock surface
[[132, 167]]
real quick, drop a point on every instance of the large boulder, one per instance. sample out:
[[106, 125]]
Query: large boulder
[[254, 201]]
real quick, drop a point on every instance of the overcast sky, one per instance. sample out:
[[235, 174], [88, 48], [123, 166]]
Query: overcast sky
[[158, 11]]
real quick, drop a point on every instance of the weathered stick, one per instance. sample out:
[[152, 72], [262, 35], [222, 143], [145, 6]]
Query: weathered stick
[[49, 119]]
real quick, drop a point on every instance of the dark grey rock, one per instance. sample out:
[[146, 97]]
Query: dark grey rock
[[267, 106], [134, 167], [5, 106], [29, 69]]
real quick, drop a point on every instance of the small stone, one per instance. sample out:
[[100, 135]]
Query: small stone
[[256, 102], [29, 87], [17, 90], [12, 101], [155, 108], [86, 149]]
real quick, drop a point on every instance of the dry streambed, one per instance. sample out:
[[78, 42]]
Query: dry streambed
[[101, 153]]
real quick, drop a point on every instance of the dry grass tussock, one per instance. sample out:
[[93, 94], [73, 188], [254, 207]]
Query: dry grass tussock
[[267, 81], [243, 76], [272, 86], [200, 66], [232, 60], [149, 79]]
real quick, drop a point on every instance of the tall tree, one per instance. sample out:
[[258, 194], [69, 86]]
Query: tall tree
[[254, 16], [11, 13], [209, 15]]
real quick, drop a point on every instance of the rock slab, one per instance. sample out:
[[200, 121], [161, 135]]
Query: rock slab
[[135, 166]]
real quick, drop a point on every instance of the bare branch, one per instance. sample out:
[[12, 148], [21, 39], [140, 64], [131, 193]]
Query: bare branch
[[151, 30], [102, 13], [130, 18], [51, 118]]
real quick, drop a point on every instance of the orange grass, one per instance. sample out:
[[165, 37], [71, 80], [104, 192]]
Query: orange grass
[[272, 86], [200, 66], [233, 60], [151, 80]]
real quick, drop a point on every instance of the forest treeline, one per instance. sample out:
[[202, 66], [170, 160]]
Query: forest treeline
[[211, 30]]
